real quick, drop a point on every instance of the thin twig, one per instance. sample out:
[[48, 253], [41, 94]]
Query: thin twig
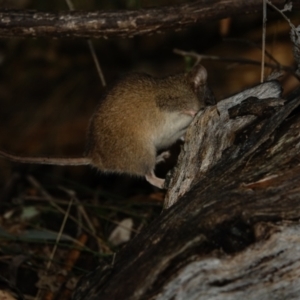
[[92, 50], [36, 184], [254, 45], [70, 4], [200, 57], [284, 16], [101, 245], [294, 34], [96, 61], [66, 216], [264, 26], [39, 293]]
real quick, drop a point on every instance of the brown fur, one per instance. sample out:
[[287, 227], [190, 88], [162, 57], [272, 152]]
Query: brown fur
[[137, 117]]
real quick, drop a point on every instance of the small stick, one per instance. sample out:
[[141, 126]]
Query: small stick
[[200, 57], [36, 184], [252, 44], [263, 41], [92, 50]]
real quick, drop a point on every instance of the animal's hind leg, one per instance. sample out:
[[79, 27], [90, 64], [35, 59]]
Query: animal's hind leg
[[158, 182]]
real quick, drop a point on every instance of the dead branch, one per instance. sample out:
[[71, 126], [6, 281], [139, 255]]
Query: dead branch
[[123, 23]]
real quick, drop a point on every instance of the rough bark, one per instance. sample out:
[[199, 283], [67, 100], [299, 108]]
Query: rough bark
[[126, 23], [234, 231], [213, 131]]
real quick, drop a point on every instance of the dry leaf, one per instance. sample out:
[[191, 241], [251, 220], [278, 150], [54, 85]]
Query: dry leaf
[[121, 234]]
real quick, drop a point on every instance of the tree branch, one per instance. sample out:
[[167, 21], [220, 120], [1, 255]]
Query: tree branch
[[123, 23]]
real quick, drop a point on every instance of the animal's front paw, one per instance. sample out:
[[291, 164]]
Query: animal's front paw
[[163, 156]]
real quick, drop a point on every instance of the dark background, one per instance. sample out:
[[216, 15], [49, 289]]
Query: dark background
[[49, 89]]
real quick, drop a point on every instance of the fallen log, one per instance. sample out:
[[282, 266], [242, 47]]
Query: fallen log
[[230, 226]]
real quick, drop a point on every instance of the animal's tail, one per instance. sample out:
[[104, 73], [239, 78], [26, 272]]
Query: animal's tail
[[62, 161]]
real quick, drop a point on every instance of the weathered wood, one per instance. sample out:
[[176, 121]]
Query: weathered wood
[[122, 23], [231, 235], [259, 272], [211, 132]]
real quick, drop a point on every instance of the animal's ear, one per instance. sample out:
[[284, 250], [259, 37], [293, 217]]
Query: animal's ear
[[198, 76]]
